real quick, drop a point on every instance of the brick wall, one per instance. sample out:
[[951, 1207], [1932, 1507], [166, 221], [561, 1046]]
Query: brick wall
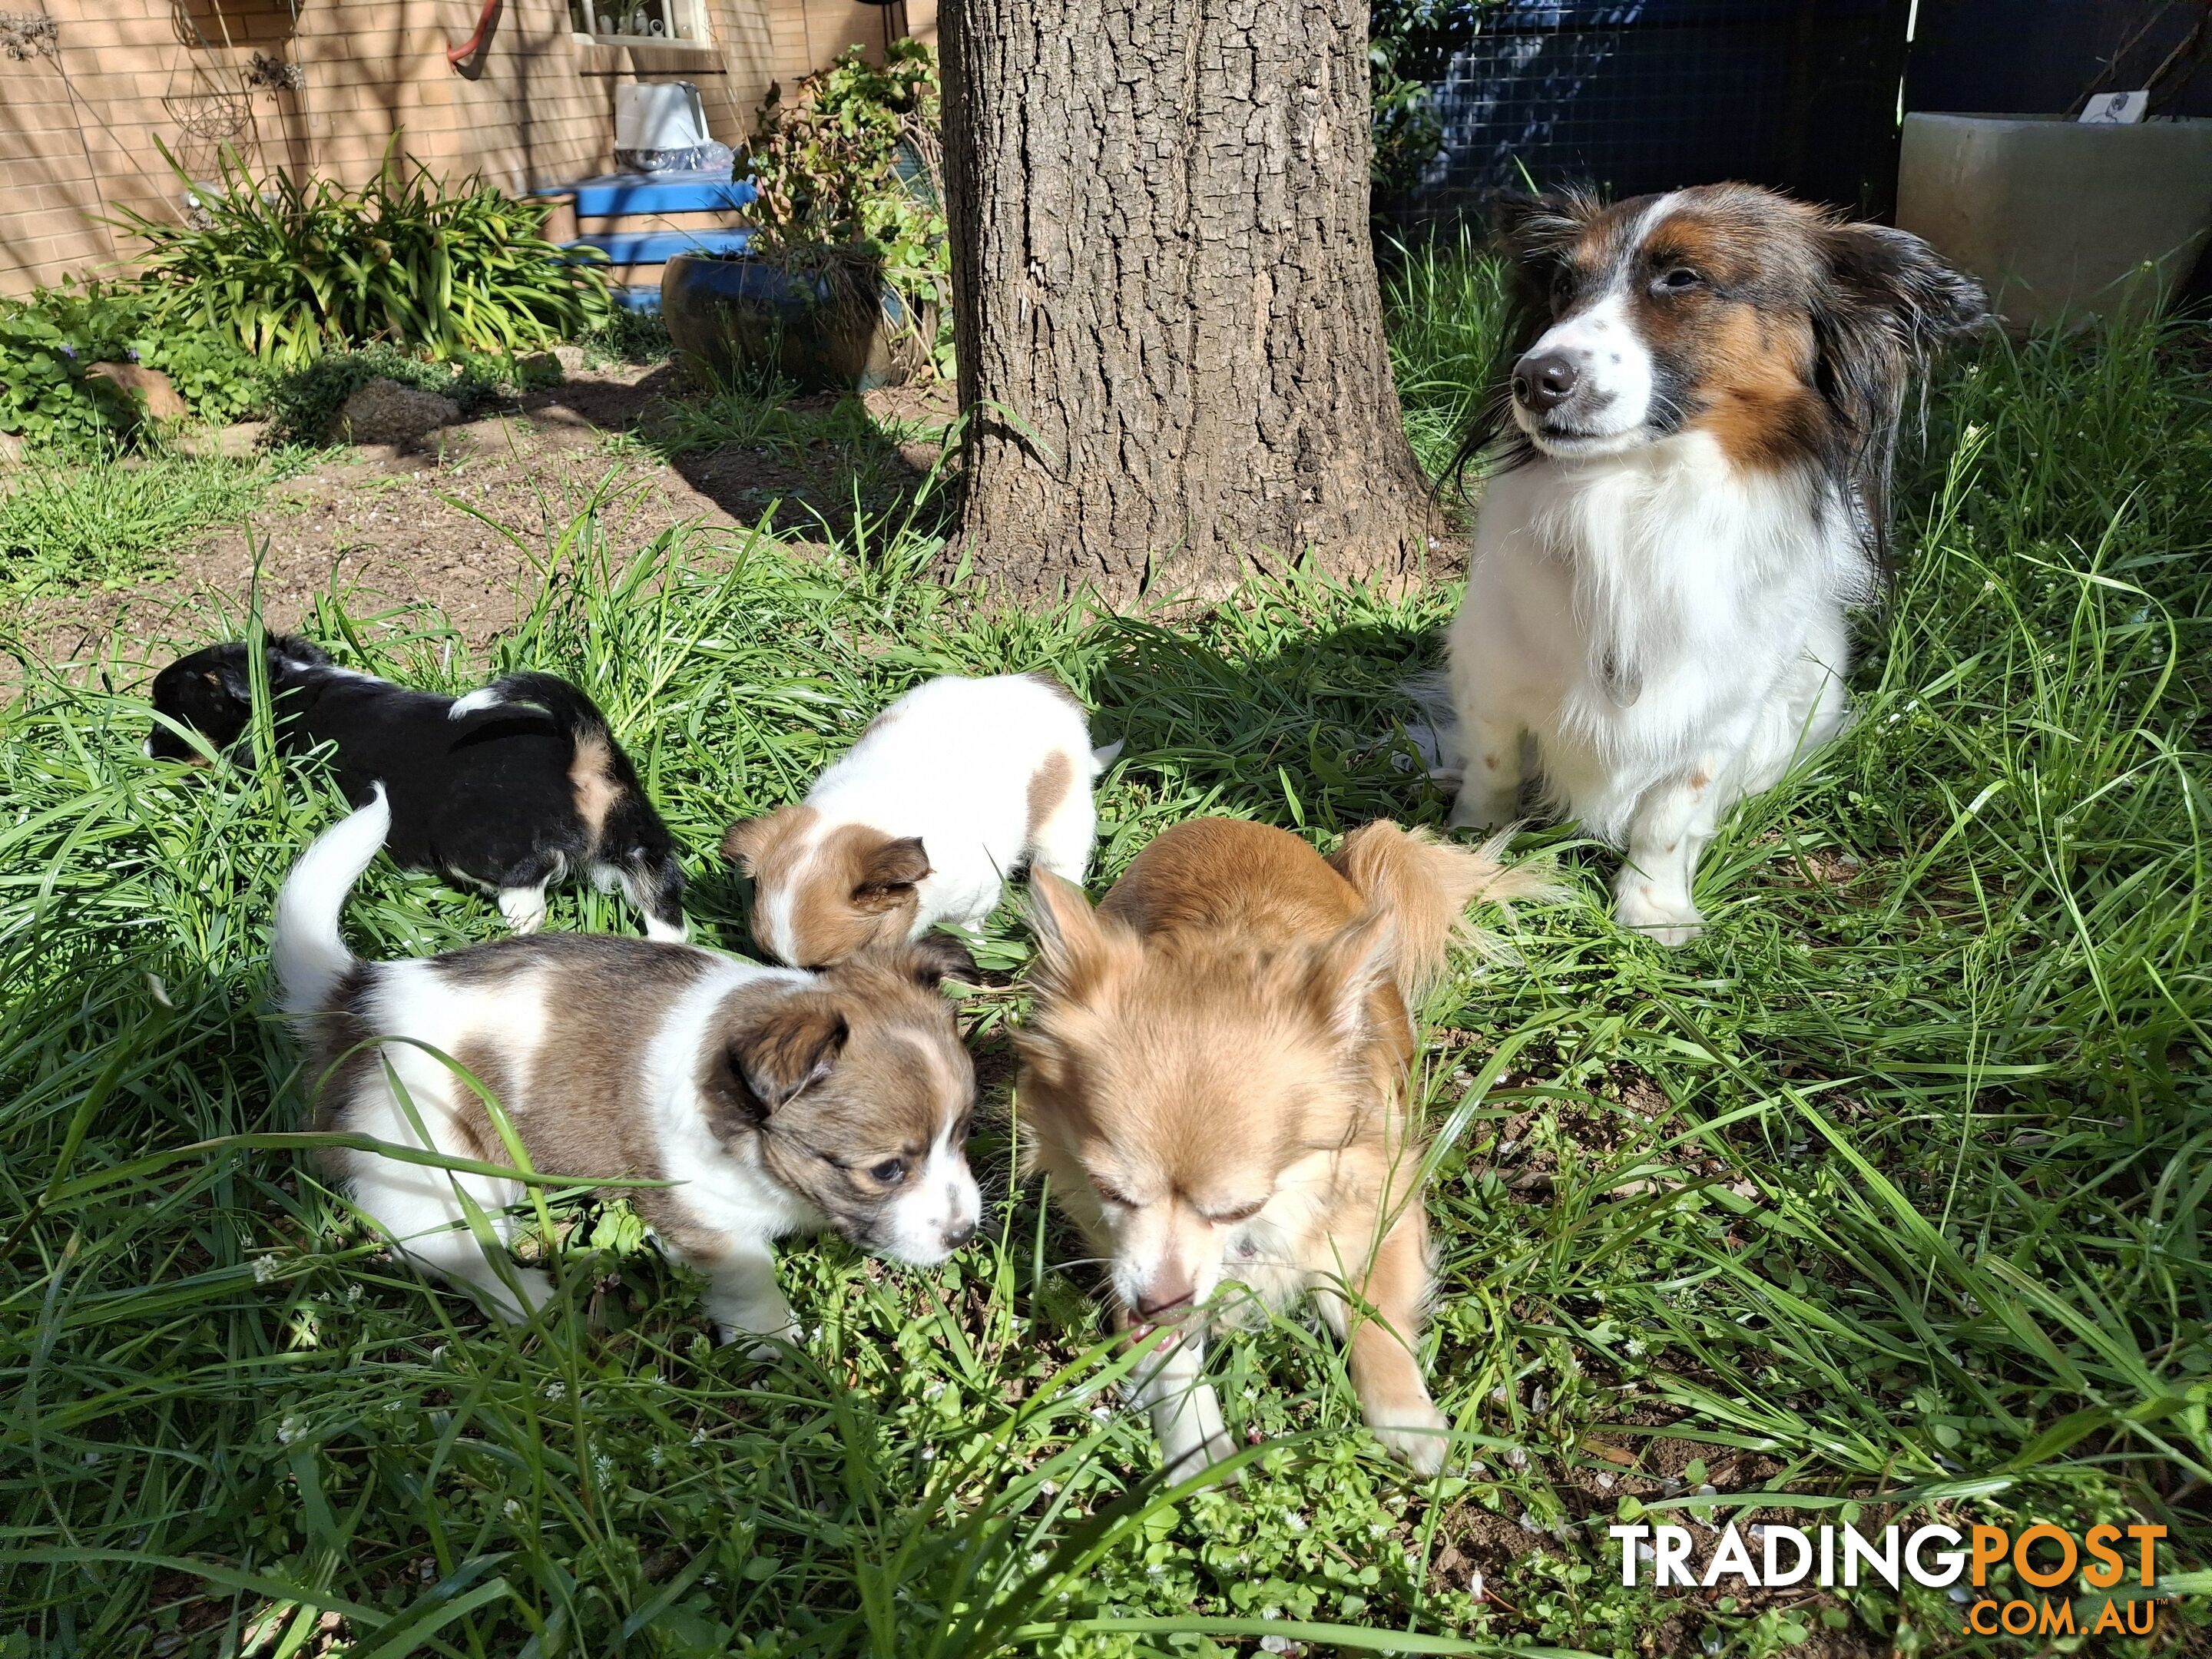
[[809, 32], [79, 130]]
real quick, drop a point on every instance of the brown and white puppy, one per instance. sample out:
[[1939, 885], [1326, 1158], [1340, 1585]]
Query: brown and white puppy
[[1214, 1074], [920, 822], [1690, 492], [778, 1101]]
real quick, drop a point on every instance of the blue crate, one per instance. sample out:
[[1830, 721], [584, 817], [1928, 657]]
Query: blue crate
[[657, 247], [614, 193]]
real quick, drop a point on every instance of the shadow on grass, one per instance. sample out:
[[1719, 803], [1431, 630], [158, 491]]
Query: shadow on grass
[[1266, 712], [798, 465]]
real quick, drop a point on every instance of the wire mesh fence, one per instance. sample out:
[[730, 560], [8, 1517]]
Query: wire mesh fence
[[1636, 95]]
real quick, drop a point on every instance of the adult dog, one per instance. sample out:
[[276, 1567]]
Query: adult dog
[[1690, 491]]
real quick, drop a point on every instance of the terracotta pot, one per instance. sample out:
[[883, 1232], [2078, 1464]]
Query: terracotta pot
[[728, 314]]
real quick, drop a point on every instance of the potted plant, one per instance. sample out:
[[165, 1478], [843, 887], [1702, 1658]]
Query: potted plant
[[847, 272], [2060, 218]]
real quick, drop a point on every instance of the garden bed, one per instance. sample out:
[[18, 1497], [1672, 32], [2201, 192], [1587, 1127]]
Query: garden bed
[[427, 524]]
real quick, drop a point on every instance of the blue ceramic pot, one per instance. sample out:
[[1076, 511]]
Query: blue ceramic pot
[[724, 314]]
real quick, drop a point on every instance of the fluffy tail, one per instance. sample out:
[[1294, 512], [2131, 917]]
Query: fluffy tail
[[1435, 732], [309, 951], [569, 709], [1426, 886]]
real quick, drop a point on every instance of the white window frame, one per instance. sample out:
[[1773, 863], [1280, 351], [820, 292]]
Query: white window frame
[[690, 16]]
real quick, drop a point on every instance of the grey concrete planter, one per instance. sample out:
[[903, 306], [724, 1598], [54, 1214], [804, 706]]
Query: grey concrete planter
[[2059, 219]]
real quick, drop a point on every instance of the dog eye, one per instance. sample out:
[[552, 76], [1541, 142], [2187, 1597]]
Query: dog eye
[[890, 1172], [1563, 287], [1230, 1218], [1677, 279], [1111, 1196]]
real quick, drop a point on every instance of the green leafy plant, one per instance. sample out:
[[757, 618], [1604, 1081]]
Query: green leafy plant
[[49, 341], [851, 177], [293, 268], [1409, 43], [44, 393], [113, 323]]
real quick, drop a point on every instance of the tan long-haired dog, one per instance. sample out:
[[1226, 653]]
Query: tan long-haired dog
[[1214, 1076]]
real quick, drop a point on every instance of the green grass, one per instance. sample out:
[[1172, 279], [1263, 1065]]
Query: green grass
[[829, 462], [1886, 1193], [108, 521], [1445, 309]]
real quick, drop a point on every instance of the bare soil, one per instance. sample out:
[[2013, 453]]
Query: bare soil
[[390, 528]]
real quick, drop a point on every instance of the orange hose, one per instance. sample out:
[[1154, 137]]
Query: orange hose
[[475, 43]]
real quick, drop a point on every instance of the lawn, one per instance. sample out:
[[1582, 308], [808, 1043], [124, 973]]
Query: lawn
[[1882, 1201]]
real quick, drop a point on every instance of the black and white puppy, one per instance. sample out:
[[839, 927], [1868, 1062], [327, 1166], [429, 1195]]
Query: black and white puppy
[[1690, 489], [510, 788], [777, 1101]]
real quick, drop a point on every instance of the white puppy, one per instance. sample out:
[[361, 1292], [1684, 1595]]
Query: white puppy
[[921, 821], [1693, 492], [777, 1102]]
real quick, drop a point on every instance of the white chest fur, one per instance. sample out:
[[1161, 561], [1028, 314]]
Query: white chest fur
[[1668, 629]]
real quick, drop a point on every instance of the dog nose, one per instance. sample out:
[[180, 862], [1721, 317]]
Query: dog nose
[[1151, 1309], [958, 1234], [1543, 379]]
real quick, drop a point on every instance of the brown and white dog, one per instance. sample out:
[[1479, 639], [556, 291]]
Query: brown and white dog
[[921, 821], [1214, 1076], [778, 1102], [1690, 491]]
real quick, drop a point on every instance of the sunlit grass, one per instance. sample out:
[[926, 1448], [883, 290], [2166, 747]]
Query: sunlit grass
[[1888, 1192], [107, 521]]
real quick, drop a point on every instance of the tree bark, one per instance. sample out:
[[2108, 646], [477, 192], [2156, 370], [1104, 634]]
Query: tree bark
[[1165, 303]]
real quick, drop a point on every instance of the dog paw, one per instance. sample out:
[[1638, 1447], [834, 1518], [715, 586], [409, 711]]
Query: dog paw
[[1418, 1439], [534, 1286], [523, 908], [1483, 808], [1643, 910], [775, 1345], [1187, 1462]]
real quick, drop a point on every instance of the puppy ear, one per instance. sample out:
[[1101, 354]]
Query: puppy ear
[[1075, 946], [233, 679], [301, 652], [742, 842], [748, 842], [1343, 974], [794, 1044], [1888, 302], [937, 956], [887, 874], [1893, 273]]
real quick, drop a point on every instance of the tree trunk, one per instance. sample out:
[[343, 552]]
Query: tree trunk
[[1169, 324]]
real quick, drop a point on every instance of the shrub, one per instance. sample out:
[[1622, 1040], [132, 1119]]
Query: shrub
[[45, 394], [48, 341], [1409, 44], [302, 404], [291, 268], [851, 177]]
